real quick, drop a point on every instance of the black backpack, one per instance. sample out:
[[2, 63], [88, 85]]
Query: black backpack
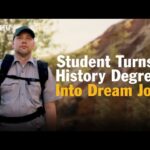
[[43, 77], [42, 70]]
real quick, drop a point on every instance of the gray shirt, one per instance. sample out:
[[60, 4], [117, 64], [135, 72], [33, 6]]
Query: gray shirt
[[18, 98]]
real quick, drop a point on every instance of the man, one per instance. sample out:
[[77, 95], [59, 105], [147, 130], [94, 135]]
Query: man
[[20, 99]]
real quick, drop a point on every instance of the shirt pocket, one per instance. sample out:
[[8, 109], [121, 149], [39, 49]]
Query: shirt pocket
[[9, 86], [34, 90], [9, 90]]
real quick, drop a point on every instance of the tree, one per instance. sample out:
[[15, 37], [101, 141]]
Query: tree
[[44, 30]]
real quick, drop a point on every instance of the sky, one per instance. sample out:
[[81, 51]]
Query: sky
[[75, 33]]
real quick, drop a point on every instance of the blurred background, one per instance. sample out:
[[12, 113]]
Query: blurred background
[[95, 38]]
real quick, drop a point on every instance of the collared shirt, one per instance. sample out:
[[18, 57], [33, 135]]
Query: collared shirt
[[18, 98]]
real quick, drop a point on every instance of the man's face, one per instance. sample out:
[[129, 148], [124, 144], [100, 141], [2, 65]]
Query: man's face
[[23, 44]]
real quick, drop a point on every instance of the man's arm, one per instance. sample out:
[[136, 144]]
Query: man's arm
[[50, 115], [49, 101]]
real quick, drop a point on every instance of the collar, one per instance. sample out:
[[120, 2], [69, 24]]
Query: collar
[[31, 60]]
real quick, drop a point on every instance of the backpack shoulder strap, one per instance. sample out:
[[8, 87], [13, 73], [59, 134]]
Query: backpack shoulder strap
[[5, 66], [43, 74]]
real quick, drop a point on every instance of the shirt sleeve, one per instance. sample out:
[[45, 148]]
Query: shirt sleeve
[[50, 89]]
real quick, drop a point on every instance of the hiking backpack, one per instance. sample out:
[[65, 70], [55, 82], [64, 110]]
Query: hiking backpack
[[42, 70], [43, 77]]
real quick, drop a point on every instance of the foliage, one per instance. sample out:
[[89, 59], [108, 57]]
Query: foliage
[[43, 29]]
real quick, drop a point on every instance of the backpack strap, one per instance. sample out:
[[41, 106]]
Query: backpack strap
[[40, 111], [43, 75], [28, 80], [5, 66]]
